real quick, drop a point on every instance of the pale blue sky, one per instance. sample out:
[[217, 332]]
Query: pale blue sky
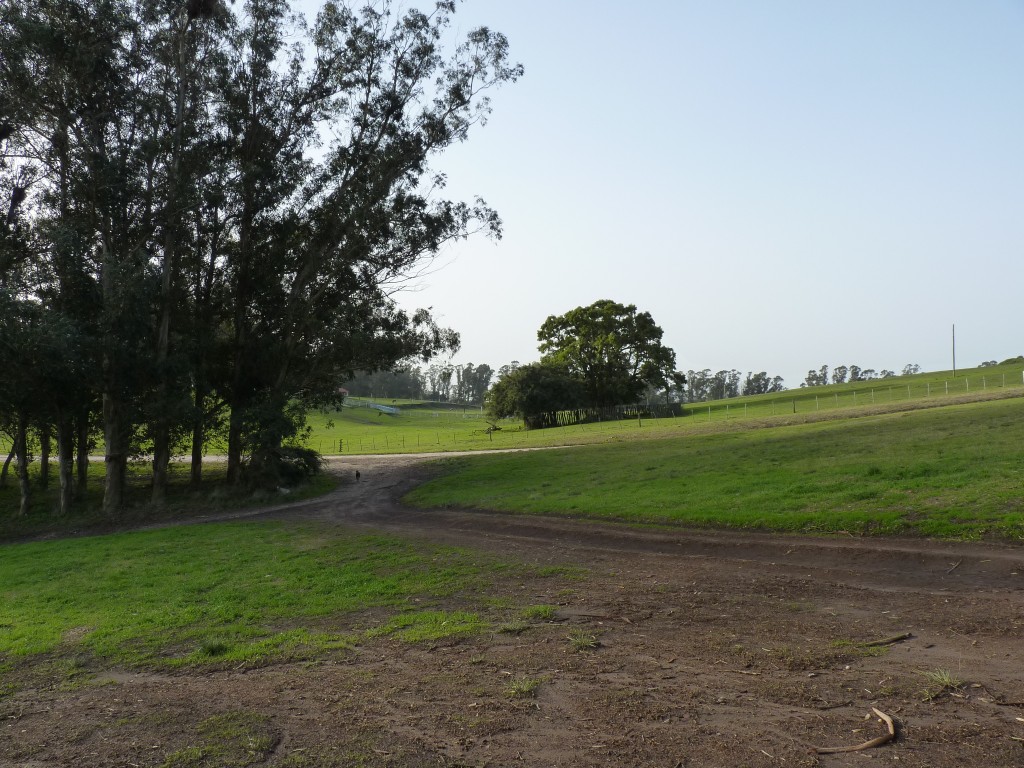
[[781, 184]]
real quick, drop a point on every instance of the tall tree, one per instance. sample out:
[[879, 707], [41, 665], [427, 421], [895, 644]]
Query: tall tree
[[228, 200], [320, 241], [761, 384], [613, 348]]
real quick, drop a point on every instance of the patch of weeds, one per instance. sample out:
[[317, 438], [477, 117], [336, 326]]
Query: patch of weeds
[[231, 740], [539, 612], [6, 688], [214, 647], [499, 603], [71, 672], [940, 681], [189, 757], [514, 627], [847, 650], [292, 645], [430, 625], [522, 687], [580, 640]]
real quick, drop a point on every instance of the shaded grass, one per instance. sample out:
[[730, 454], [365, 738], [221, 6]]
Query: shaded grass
[[947, 472], [213, 496], [226, 592]]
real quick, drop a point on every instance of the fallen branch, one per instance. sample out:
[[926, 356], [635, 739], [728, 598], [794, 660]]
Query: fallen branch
[[887, 640], [876, 742], [955, 566]]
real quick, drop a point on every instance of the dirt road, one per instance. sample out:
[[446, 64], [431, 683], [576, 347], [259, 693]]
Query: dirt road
[[713, 649]]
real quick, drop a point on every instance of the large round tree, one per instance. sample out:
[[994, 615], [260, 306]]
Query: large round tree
[[614, 349]]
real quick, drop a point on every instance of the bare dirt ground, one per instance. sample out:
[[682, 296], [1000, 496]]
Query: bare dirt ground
[[715, 649]]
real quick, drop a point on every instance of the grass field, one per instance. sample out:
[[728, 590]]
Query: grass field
[[429, 427], [422, 427], [231, 593], [948, 472]]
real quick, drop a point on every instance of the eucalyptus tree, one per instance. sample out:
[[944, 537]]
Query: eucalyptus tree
[[335, 202], [221, 215]]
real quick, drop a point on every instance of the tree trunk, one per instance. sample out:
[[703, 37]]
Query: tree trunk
[[66, 463], [21, 452], [162, 428], [235, 447], [45, 441], [7, 463], [115, 458], [198, 439], [82, 458], [161, 460]]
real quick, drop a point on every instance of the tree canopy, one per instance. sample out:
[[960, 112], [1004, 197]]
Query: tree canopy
[[221, 200], [602, 355], [615, 350]]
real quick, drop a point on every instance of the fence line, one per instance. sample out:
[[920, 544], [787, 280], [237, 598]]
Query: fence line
[[873, 392]]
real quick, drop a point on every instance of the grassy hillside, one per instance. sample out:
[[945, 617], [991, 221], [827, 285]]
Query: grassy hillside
[[425, 427], [421, 427], [951, 472]]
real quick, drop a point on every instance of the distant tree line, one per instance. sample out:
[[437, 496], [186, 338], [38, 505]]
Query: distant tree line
[[205, 209], [842, 374], [1008, 361], [704, 385], [446, 383]]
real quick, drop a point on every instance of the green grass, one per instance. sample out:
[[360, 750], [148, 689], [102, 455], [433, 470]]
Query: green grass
[[522, 687], [948, 472], [422, 427], [428, 427], [226, 593]]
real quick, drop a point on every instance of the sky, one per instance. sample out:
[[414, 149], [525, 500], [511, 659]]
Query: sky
[[782, 184]]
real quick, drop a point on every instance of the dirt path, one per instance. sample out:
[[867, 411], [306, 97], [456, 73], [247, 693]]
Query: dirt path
[[715, 649]]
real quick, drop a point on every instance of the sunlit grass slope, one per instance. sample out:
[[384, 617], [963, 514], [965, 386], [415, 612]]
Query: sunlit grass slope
[[951, 472], [426, 427]]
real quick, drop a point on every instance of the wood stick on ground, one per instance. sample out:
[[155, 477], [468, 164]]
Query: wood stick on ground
[[876, 742], [955, 566], [887, 640]]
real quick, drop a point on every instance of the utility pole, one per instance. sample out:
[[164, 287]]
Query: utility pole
[[954, 350]]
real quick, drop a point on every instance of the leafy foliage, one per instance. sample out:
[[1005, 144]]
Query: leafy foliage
[[535, 388], [221, 200], [612, 348]]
